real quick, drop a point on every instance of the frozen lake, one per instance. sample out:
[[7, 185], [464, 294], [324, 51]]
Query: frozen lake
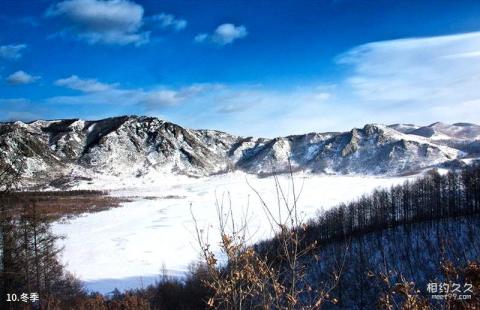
[[129, 246]]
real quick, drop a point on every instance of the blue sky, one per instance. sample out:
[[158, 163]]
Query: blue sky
[[263, 68]]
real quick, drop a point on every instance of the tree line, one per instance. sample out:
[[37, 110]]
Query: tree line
[[408, 231], [432, 197]]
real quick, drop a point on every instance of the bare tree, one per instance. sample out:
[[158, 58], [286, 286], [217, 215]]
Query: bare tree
[[10, 175], [259, 278], [29, 252]]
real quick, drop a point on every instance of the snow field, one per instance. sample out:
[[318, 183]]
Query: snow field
[[129, 246]]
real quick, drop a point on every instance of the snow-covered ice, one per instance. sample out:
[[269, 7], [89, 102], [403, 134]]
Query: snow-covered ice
[[130, 246]]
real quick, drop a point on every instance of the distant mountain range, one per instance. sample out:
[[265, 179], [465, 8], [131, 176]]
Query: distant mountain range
[[58, 152]]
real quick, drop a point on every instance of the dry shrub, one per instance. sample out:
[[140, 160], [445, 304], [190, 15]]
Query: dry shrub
[[409, 295], [404, 295], [245, 279]]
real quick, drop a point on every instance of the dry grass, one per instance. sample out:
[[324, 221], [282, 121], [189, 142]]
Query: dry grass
[[56, 205]]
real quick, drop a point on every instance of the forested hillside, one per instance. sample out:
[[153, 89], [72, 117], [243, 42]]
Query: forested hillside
[[408, 232]]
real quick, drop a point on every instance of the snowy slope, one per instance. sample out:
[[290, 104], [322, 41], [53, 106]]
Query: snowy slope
[[465, 131]]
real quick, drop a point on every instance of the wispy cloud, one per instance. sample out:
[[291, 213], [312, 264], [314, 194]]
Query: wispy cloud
[[154, 99], [201, 37], [437, 70], [84, 85], [12, 51], [224, 34], [261, 111], [21, 77], [413, 80], [96, 92], [167, 21]]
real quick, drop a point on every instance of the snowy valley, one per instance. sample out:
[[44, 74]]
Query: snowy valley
[[168, 171]]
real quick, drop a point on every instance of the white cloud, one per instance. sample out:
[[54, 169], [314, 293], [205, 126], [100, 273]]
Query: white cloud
[[97, 21], [21, 77], [163, 97], [417, 80], [437, 70], [96, 92], [224, 34], [120, 22], [261, 111], [165, 21], [12, 51], [84, 85], [201, 37], [227, 33]]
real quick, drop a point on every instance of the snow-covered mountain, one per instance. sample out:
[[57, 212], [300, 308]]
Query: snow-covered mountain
[[441, 131], [59, 151], [461, 136]]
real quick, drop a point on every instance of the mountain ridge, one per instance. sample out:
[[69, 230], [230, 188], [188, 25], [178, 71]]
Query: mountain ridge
[[53, 150]]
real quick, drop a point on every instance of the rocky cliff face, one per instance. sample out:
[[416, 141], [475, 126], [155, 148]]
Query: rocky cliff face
[[56, 151]]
